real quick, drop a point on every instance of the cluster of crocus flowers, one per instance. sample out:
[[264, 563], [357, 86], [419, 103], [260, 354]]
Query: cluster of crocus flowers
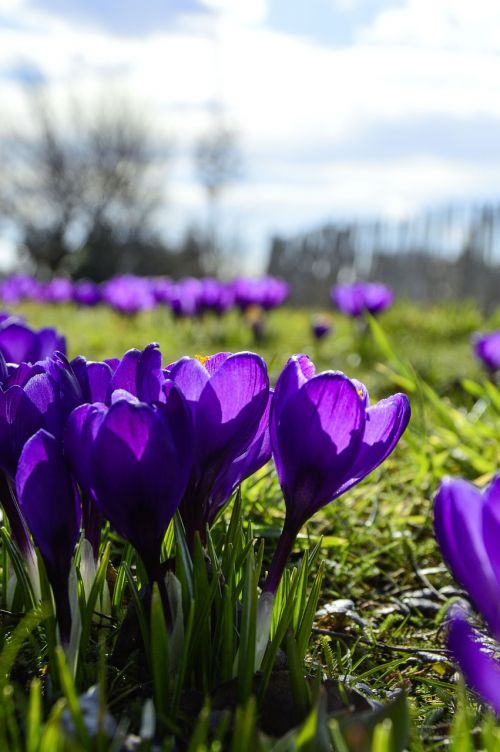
[[131, 442], [487, 350], [128, 294], [467, 527], [353, 300]]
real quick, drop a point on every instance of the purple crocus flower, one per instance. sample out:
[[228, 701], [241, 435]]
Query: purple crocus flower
[[349, 299], [353, 300], [487, 349], [467, 527], [41, 396], [227, 395], [325, 439], [58, 290], [134, 460], [321, 327], [21, 344], [128, 294], [87, 293], [377, 297], [50, 504]]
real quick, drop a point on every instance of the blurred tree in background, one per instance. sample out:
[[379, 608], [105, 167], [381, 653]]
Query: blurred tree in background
[[81, 189], [218, 164]]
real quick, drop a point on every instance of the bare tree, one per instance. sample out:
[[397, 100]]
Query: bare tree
[[218, 163], [79, 183]]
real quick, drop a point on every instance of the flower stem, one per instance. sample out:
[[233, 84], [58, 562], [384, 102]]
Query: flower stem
[[280, 558]]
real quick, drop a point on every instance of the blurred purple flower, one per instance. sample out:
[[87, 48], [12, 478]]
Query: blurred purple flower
[[487, 349], [19, 287], [50, 504], [325, 439], [227, 395], [58, 290], [87, 293], [353, 300], [377, 297], [321, 327], [128, 294], [267, 292]]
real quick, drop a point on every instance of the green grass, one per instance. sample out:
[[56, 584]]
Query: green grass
[[376, 542]]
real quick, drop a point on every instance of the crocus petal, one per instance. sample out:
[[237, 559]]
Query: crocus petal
[[49, 341], [79, 434], [491, 528], [190, 376], [94, 379], [19, 419], [315, 441], [99, 381], [480, 668], [49, 501], [257, 454], [231, 405], [125, 375], [296, 372], [18, 343], [459, 528], [385, 424], [215, 361], [139, 373], [44, 393], [138, 473]]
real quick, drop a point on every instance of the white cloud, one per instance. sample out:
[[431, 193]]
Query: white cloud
[[458, 24], [286, 93]]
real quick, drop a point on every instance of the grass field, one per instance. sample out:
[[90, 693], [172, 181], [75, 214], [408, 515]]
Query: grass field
[[377, 540]]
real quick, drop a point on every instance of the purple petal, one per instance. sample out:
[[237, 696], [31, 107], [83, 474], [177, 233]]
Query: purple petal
[[49, 341], [18, 343], [385, 424], [49, 501], [43, 392], [190, 376], [257, 454], [315, 440], [231, 405], [19, 419], [139, 475], [491, 528], [296, 372], [140, 373], [214, 363], [79, 435], [480, 668]]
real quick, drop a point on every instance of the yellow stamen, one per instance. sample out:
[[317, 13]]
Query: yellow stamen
[[202, 358]]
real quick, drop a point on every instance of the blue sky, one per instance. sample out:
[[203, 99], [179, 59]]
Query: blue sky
[[345, 108]]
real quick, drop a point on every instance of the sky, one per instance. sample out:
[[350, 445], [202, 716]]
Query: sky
[[344, 108]]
